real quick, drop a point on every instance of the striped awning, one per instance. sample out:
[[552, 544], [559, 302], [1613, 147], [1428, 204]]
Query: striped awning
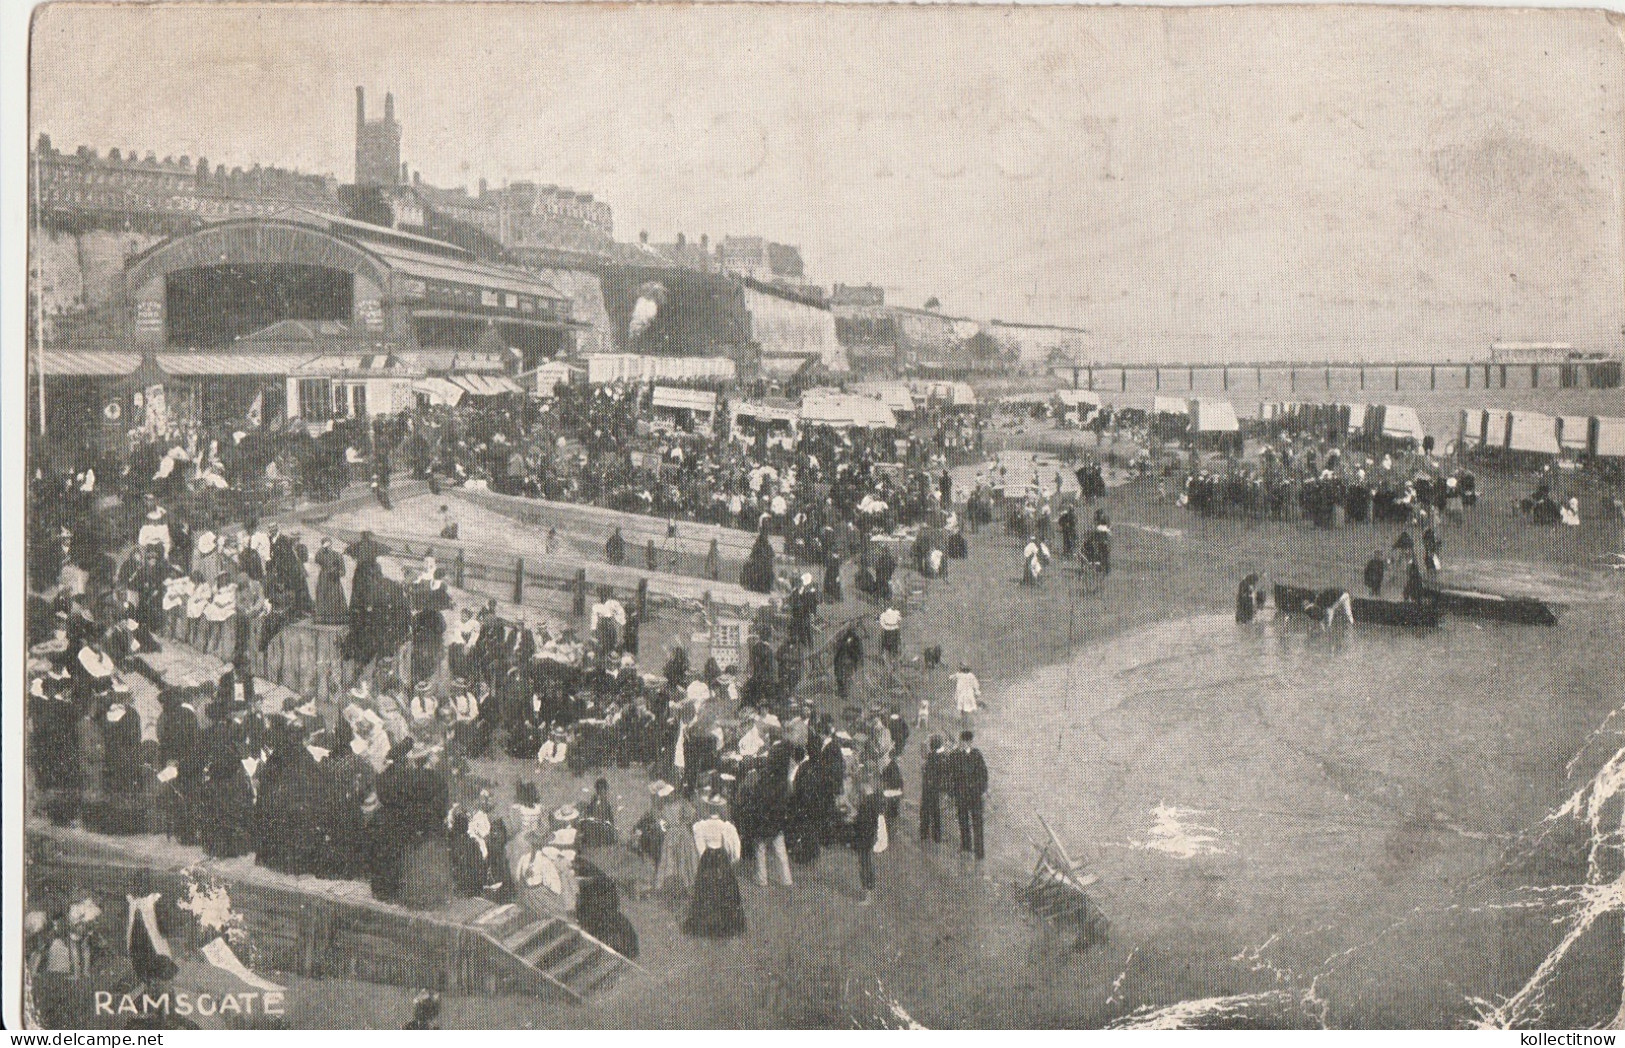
[[485, 385], [373, 365], [453, 360], [89, 363], [200, 364]]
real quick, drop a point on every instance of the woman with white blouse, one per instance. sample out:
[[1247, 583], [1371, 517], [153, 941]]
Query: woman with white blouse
[[715, 911]]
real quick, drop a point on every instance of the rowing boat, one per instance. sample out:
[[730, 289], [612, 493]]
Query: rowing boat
[[1371, 611], [1525, 611], [1368, 611]]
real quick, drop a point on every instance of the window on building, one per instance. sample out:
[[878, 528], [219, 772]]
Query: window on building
[[358, 401], [315, 399]]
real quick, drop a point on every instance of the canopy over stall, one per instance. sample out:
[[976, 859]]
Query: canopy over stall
[[954, 394], [685, 399], [555, 373], [436, 390], [1075, 398], [895, 395], [485, 385], [685, 409], [841, 411]]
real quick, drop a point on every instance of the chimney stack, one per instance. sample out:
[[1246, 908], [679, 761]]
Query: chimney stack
[[389, 107]]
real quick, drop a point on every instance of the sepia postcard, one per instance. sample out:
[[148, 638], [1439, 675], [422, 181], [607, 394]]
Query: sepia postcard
[[815, 517]]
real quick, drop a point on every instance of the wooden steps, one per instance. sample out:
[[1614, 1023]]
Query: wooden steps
[[471, 946]]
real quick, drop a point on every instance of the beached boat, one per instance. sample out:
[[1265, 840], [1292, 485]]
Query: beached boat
[[1525, 611], [1368, 611], [1371, 611]]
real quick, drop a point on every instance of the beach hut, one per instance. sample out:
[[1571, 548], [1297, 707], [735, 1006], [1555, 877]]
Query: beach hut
[[1573, 434], [1531, 433], [1607, 438], [1213, 417]]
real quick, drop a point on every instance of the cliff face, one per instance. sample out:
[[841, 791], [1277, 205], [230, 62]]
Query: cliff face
[[82, 277], [586, 295]]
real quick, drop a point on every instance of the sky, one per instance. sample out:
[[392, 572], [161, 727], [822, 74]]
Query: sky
[[1187, 184]]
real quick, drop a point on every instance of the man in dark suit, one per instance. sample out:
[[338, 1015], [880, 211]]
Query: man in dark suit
[[933, 775], [967, 781], [181, 757]]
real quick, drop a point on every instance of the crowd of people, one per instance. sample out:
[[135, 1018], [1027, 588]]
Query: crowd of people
[[394, 785], [1327, 485]]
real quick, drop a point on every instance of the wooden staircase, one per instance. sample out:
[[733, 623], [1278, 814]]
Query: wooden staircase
[[567, 957], [471, 946]]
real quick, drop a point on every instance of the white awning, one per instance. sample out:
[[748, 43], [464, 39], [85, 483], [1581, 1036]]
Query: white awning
[[684, 399], [83, 363], [767, 412], [438, 390], [1169, 406], [367, 365], [202, 364], [957, 394], [841, 410]]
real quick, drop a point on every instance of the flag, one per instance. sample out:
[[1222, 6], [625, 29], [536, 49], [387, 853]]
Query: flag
[[257, 408]]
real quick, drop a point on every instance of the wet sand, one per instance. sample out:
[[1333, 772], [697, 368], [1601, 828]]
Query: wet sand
[[1250, 785]]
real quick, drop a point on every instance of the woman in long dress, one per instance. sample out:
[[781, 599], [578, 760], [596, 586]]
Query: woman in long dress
[[330, 606], [227, 796], [716, 911], [598, 911], [426, 876], [598, 819], [430, 601], [543, 874], [344, 781], [679, 859]]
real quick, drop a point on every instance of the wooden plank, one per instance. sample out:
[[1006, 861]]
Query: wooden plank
[[559, 572], [696, 535], [1070, 865]]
